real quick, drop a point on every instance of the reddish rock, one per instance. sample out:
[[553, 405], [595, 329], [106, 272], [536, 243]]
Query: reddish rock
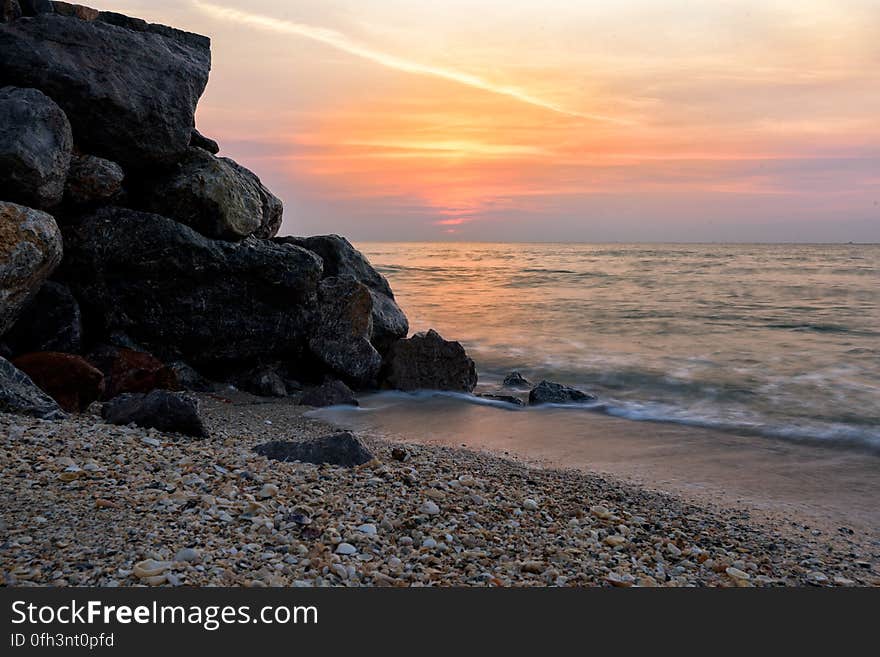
[[69, 379], [126, 370]]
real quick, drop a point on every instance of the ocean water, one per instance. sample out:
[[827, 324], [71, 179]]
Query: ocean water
[[781, 341]]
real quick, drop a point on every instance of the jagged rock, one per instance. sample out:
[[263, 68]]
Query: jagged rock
[[18, 394], [516, 380], [35, 146], [126, 370], [263, 381], [216, 196], [340, 336], [342, 260], [329, 393], [507, 399], [343, 449], [75, 11], [69, 379], [160, 409], [189, 379], [198, 140], [548, 392], [129, 88], [49, 321], [30, 249], [182, 296], [93, 179], [428, 362]]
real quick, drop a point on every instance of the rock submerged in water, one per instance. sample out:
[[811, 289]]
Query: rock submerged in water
[[548, 392], [428, 362], [507, 399], [18, 394], [343, 449], [329, 393], [516, 380], [161, 409], [69, 379], [50, 321]]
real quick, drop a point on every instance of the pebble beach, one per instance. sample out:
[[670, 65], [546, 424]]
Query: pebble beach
[[85, 503]]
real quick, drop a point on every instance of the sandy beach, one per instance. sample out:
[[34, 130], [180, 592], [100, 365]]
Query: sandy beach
[[86, 503]]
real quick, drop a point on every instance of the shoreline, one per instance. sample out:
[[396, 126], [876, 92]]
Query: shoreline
[[140, 494]]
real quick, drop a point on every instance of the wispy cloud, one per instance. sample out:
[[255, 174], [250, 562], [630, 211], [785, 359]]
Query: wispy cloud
[[344, 43]]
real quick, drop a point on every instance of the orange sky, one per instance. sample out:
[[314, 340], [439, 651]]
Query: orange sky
[[533, 120]]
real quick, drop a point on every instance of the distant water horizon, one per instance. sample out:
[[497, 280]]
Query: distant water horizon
[[779, 340]]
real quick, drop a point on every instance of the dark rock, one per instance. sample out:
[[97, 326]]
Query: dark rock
[[548, 392], [216, 196], [189, 379], [263, 381], [75, 11], [516, 380], [35, 146], [342, 260], [507, 399], [129, 88], [18, 394], [9, 11], [340, 336], [34, 7], [50, 321], [126, 370], [198, 140], [399, 454], [329, 393], [93, 179], [69, 379], [343, 449], [185, 297], [428, 362], [30, 249], [161, 409]]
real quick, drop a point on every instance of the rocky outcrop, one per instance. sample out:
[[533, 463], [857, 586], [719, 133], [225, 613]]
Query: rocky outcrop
[[50, 321], [18, 394], [329, 393], [126, 370], [69, 379], [343, 449], [163, 410], [30, 249], [216, 196], [548, 392], [428, 362], [198, 140], [93, 180], [129, 88], [35, 147]]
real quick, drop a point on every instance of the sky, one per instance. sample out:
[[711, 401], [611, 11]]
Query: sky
[[549, 120]]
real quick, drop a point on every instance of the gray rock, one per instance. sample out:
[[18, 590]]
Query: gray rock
[[182, 296], [50, 321], [428, 362], [340, 336], [30, 249], [189, 379], [18, 394], [548, 392], [93, 179], [507, 399], [516, 380], [129, 88], [329, 393], [160, 409], [343, 449], [35, 146], [198, 140], [216, 196], [263, 381]]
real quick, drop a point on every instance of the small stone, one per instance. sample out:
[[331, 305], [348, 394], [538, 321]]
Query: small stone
[[673, 549], [843, 581], [399, 453], [267, 491], [534, 567], [600, 512], [429, 543], [150, 568], [368, 528], [614, 540], [530, 504], [429, 508], [346, 549], [817, 577], [737, 574], [187, 554]]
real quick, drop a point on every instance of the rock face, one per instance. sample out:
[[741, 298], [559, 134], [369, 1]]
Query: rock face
[[329, 393], [69, 379], [18, 394], [548, 392], [343, 449], [35, 147], [50, 321], [185, 297], [342, 260], [128, 87], [216, 196], [93, 180], [126, 370], [30, 249], [428, 362], [160, 409]]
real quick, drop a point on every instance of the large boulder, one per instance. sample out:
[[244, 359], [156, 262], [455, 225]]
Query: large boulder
[[30, 249], [160, 409], [340, 336], [35, 146], [18, 394], [69, 379], [548, 392], [428, 362], [128, 87], [127, 370], [343, 449], [182, 296], [49, 321], [342, 260], [216, 196], [93, 180]]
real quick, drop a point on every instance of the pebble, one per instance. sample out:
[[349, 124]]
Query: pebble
[[530, 504], [346, 549], [429, 508], [368, 528], [736, 573], [429, 543], [267, 491], [187, 554], [150, 568]]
